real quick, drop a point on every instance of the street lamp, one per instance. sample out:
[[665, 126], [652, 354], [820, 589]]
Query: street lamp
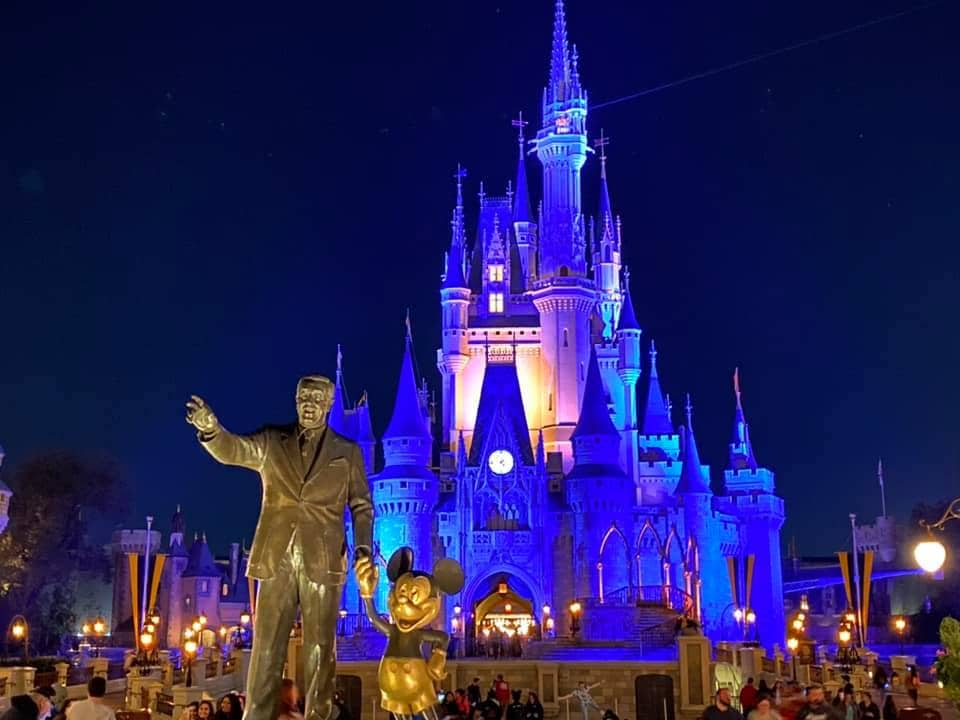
[[20, 632], [189, 652], [901, 625], [576, 609], [793, 644], [930, 554]]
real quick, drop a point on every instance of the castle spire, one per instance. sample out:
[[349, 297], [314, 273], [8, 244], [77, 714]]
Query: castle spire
[[595, 412], [521, 197], [691, 474], [628, 318], [606, 208], [741, 449], [656, 417], [453, 276], [337, 418], [407, 420], [559, 85]]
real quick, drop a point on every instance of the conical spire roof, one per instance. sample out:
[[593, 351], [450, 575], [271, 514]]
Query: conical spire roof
[[559, 85], [594, 413], [177, 523], [741, 449], [200, 561], [521, 198], [628, 318], [407, 420], [453, 276], [365, 423], [656, 415], [691, 476]]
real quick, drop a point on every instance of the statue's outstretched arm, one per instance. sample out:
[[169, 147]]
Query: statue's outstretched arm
[[247, 451], [378, 622]]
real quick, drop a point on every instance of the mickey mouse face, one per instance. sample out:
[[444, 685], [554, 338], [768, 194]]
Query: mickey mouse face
[[412, 603]]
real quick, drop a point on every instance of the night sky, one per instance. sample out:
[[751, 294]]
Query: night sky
[[207, 198]]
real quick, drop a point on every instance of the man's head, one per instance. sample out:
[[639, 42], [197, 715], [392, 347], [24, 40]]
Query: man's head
[[516, 695], [749, 681], [97, 687], [500, 678], [476, 681], [723, 697], [314, 400], [815, 695]]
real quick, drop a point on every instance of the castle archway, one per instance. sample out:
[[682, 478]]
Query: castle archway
[[504, 610]]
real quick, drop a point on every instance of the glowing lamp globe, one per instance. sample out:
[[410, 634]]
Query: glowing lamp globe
[[146, 639], [457, 609], [190, 647], [546, 609], [751, 616], [85, 629], [343, 612], [202, 619], [245, 618], [793, 644], [99, 626], [844, 636], [738, 614], [18, 631], [797, 624], [575, 607], [930, 555]]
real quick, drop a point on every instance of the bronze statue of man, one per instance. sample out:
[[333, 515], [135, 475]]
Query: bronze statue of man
[[310, 474]]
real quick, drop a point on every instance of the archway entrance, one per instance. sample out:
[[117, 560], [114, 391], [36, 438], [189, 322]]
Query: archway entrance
[[503, 618]]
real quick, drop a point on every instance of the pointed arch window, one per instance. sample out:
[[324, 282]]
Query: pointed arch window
[[496, 302], [566, 337], [495, 273]]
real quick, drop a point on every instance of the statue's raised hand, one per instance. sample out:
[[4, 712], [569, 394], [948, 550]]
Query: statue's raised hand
[[200, 415]]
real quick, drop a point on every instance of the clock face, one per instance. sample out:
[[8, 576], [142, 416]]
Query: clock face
[[500, 462]]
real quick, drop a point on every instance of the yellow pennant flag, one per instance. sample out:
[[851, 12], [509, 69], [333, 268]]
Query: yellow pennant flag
[[134, 560], [751, 560], [155, 580], [845, 572], [734, 585], [865, 603]]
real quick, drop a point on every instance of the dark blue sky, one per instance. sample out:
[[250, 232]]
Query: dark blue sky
[[208, 198]]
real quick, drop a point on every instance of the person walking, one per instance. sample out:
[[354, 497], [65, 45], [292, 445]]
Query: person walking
[[748, 697], [94, 707], [913, 686], [764, 709], [501, 689], [722, 707], [817, 708], [533, 710], [473, 693], [869, 710]]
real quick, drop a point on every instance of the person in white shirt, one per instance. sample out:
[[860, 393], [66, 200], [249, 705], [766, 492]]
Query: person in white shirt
[[94, 707]]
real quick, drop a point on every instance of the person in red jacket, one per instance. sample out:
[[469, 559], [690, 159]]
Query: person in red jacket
[[501, 688], [748, 697]]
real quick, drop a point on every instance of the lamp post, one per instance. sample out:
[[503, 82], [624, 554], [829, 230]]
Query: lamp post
[[900, 623], [930, 554], [245, 620], [546, 621], [189, 653], [793, 645], [576, 610], [847, 654], [19, 630]]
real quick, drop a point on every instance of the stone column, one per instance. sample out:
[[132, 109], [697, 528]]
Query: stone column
[[695, 672], [63, 670], [183, 696], [21, 680], [100, 666]]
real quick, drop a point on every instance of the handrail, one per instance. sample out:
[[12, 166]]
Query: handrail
[[668, 596]]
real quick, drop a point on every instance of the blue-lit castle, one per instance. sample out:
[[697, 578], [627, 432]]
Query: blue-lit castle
[[554, 483]]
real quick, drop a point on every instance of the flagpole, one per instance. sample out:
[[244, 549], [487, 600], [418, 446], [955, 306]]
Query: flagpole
[[883, 492], [146, 574], [856, 578]]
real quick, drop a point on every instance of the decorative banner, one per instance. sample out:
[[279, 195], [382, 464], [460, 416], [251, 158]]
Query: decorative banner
[[155, 581], [734, 580], [751, 561], [865, 602], [847, 572], [134, 560]]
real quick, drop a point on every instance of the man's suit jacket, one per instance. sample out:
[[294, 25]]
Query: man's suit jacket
[[307, 500]]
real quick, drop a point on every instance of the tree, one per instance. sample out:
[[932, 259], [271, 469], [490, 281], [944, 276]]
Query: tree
[[47, 543], [948, 659]]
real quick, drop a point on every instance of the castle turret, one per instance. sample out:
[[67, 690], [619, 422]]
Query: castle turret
[[628, 369], [525, 230], [406, 491], [606, 254], [563, 295], [454, 303], [200, 584], [600, 495], [752, 491], [337, 418], [659, 445], [703, 557], [365, 437], [171, 591]]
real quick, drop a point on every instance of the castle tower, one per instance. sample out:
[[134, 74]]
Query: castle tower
[[365, 437], [200, 584], [600, 495], [5, 494], [606, 253], [752, 489], [659, 445], [702, 555], [337, 417], [628, 369], [563, 295], [454, 303], [170, 597], [406, 491], [122, 543]]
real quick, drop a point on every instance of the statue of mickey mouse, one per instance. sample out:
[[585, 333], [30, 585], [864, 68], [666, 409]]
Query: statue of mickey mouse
[[406, 678]]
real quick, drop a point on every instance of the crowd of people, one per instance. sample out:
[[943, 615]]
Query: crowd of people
[[49, 703], [788, 701]]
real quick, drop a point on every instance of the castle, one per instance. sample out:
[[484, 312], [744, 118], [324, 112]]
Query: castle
[[554, 484], [543, 475]]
